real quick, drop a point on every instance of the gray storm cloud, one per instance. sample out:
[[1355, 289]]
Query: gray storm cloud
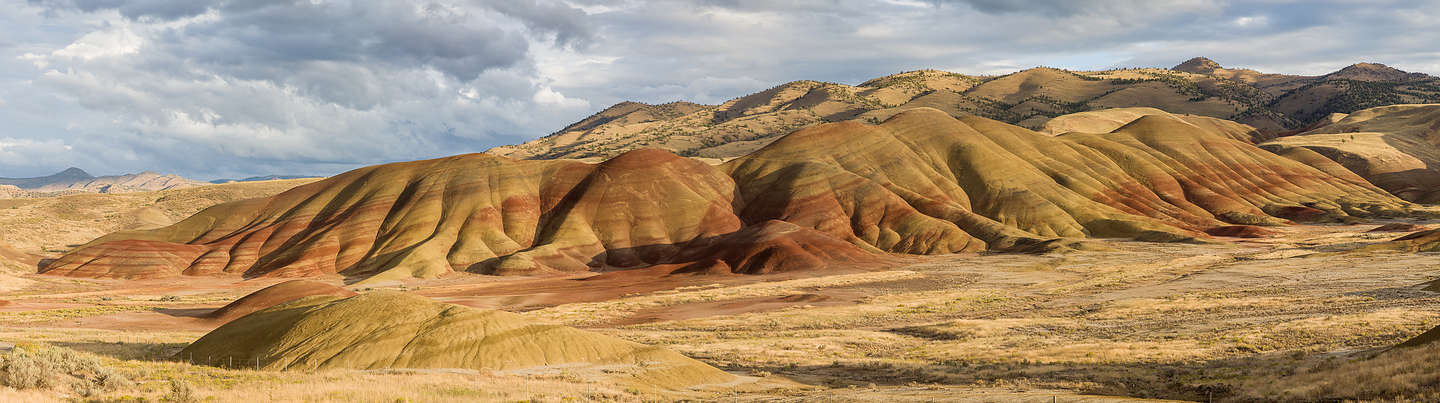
[[237, 88]]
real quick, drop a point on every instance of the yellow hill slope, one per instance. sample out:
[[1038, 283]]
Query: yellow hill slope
[[1106, 120], [923, 182], [1395, 147], [388, 329]]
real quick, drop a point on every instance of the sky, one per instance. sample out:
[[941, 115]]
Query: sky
[[234, 88]]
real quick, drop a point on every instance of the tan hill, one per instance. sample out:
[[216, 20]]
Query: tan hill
[[1417, 242], [12, 192], [1273, 104], [275, 295], [1270, 84], [141, 182], [13, 259], [1395, 147], [388, 329], [1106, 120], [77, 180], [921, 182], [1374, 72], [1399, 227], [49, 225]]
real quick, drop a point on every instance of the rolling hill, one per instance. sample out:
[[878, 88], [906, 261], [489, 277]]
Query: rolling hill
[[46, 226], [74, 180], [920, 182], [1275, 104], [1395, 147], [390, 329]]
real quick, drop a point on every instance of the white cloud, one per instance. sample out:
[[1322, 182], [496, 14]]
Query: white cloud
[[116, 41], [230, 87], [1249, 21]]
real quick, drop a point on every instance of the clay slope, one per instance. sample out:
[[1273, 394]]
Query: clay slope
[[933, 184], [1273, 104], [477, 212], [387, 329], [1395, 147], [1418, 242], [843, 193], [275, 295]]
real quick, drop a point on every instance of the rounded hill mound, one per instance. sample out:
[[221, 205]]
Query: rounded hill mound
[[275, 295], [390, 329]]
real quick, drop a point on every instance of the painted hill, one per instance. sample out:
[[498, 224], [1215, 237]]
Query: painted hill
[[921, 182], [1395, 147], [472, 212], [388, 329], [1272, 103], [77, 180], [275, 295]]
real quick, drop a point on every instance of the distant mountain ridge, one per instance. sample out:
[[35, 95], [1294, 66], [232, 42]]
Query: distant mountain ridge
[[76, 179], [69, 175], [265, 178], [1276, 104]]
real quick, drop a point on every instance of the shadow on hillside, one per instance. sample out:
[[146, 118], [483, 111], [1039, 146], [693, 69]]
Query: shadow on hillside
[[40, 267], [186, 312], [1212, 380], [143, 351]]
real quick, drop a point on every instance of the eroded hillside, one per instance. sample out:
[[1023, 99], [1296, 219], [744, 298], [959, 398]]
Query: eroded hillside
[[921, 182]]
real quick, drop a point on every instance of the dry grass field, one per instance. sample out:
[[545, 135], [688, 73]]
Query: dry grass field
[[50, 225], [1301, 316]]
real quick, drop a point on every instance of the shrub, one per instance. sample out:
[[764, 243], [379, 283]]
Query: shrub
[[48, 367], [180, 391]]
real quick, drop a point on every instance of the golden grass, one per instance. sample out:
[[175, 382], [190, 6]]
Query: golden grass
[[50, 225], [1406, 374], [50, 315], [1169, 321], [153, 381]]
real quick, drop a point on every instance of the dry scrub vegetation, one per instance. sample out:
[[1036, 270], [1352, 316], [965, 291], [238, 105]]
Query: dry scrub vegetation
[[1224, 321], [49, 225], [40, 373], [1293, 318]]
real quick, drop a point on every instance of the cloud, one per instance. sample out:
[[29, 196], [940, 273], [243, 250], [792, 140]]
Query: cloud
[[245, 86], [213, 88]]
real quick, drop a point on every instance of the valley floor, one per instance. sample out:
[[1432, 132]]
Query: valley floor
[[1301, 316]]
